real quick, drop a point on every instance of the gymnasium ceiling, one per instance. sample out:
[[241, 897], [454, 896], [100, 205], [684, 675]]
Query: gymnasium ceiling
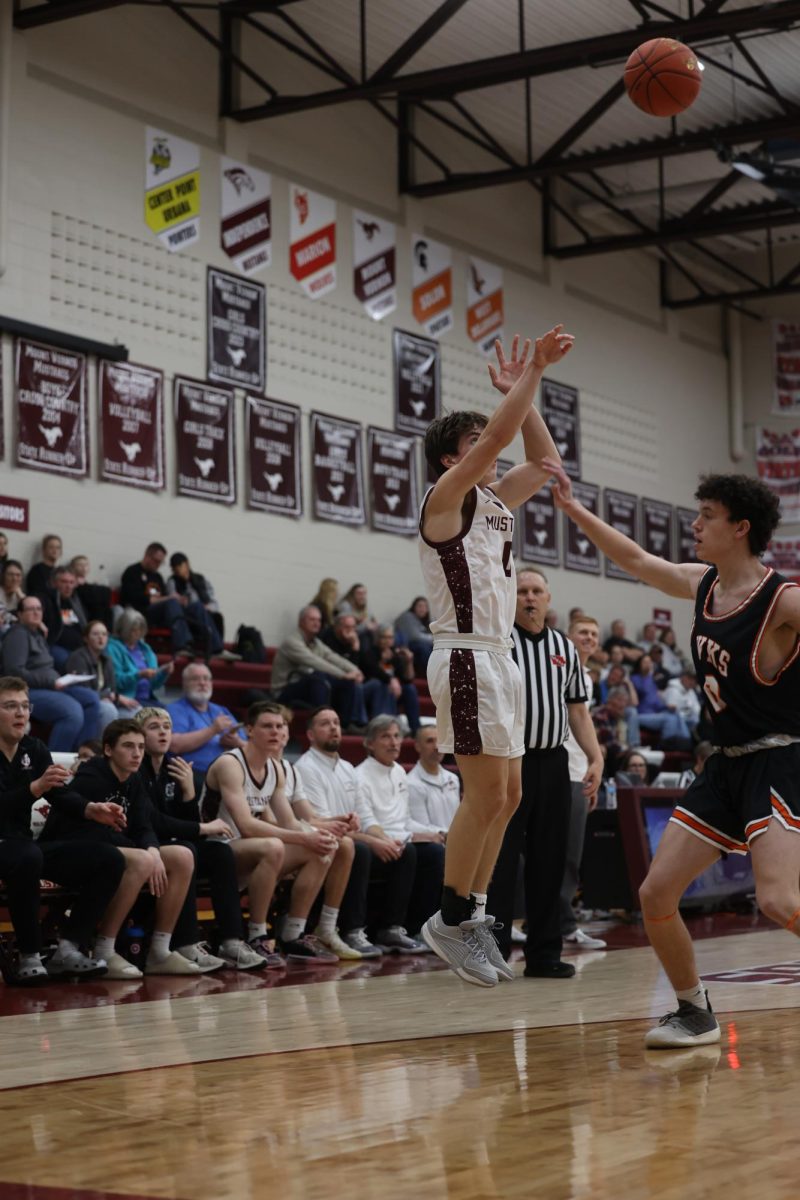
[[482, 93]]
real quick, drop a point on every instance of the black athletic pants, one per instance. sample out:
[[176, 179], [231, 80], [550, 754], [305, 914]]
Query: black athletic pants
[[539, 830], [406, 890], [92, 869], [215, 862]]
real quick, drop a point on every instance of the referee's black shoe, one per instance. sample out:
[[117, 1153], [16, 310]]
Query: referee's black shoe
[[549, 969]]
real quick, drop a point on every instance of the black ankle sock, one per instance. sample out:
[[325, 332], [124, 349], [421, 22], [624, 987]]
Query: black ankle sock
[[455, 908]]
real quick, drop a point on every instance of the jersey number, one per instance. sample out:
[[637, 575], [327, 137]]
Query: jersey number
[[711, 689], [507, 559]]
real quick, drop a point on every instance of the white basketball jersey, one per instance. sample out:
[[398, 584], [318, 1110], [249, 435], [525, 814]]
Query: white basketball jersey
[[469, 579], [258, 795]]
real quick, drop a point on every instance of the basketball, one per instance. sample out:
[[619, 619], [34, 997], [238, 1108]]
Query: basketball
[[662, 77]]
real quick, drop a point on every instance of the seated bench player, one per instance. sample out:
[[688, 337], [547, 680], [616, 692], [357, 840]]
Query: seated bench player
[[434, 794]]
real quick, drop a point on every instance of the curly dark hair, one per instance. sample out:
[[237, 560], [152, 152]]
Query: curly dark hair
[[746, 499], [443, 435]]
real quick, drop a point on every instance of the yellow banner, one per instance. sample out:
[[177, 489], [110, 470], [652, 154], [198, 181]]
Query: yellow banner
[[172, 203]]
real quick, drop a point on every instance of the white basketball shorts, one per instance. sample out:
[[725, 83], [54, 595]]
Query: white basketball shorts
[[478, 698]]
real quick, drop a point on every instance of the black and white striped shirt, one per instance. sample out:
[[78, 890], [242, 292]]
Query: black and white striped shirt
[[551, 680]]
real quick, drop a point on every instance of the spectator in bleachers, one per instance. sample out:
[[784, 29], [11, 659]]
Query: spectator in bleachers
[[195, 591], [245, 787], [617, 726], [660, 676], [342, 638], [308, 672], [40, 575], [551, 619], [615, 659], [702, 753], [355, 601], [630, 651], [618, 677], [201, 730], [681, 694], [12, 585], [392, 829], [73, 712], [92, 748], [3, 550], [633, 770], [649, 637], [27, 774], [95, 597], [654, 714], [414, 626], [674, 659], [393, 667], [136, 668], [64, 616], [434, 794], [143, 588], [326, 599], [94, 659], [107, 803], [169, 781]]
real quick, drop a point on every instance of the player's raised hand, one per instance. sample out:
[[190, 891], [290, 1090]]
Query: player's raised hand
[[560, 484], [552, 346], [508, 370]]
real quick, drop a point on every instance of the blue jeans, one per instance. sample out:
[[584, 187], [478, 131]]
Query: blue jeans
[[73, 714], [317, 689], [668, 725], [379, 700], [632, 722], [182, 620]]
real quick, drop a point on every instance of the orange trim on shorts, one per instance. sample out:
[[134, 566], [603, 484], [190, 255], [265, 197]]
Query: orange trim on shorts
[[792, 920], [669, 917], [707, 831], [785, 812]]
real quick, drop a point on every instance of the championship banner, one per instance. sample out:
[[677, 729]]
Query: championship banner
[[337, 473], [245, 215], [657, 528], [783, 555], [619, 511], [684, 519], [786, 367], [484, 303], [392, 466], [312, 234], [778, 462], [50, 398], [274, 480], [417, 384], [537, 531], [204, 440], [561, 412], [172, 189], [374, 264], [579, 553], [132, 425], [432, 284], [236, 330]]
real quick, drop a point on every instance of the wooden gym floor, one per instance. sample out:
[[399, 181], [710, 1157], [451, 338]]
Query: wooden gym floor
[[407, 1083]]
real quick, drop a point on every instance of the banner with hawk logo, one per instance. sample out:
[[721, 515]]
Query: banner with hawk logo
[[620, 512], [132, 425], [684, 519], [536, 528], [245, 215], [786, 367], [561, 412], [392, 467], [417, 384], [204, 441], [312, 237], [374, 265], [50, 399], [172, 189], [484, 303], [274, 480], [657, 528], [236, 330], [432, 284], [579, 553], [337, 470], [778, 462]]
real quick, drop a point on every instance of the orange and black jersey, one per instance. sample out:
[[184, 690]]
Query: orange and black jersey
[[725, 647]]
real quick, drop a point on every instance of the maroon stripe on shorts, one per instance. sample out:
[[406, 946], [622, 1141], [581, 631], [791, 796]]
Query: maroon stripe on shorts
[[456, 572], [464, 703]]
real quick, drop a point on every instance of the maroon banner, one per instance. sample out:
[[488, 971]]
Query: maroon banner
[[619, 510], [657, 528], [274, 476], [50, 396], [417, 388], [536, 525], [14, 513], [204, 440], [337, 474], [392, 466], [236, 349], [684, 519], [132, 425], [561, 412], [2, 407], [783, 555], [579, 553]]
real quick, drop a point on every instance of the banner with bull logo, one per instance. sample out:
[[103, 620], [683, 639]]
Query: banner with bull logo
[[236, 330], [432, 284], [132, 425], [536, 527], [245, 215], [337, 471], [684, 519], [50, 399], [312, 234], [172, 189], [657, 528], [620, 512], [580, 554], [417, 383], [274, 477], [374, 264], [561, 412], [392, 467], [204, 441], [484, 303]]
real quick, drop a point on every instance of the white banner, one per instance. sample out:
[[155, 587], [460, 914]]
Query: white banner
[[786, 367], [432, 283], [172, 189], [484, 303], [374, 264], [312, 231], [778, 462], [245, 215]]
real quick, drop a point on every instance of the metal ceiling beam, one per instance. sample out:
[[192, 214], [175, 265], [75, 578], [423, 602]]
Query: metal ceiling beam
[[60, 10], [419, 38], [761, 293], [564, 56]]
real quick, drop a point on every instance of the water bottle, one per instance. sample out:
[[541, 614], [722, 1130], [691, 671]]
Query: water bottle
[[611, 794]]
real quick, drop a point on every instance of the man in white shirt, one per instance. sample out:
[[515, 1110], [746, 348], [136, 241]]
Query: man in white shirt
[[681, 695], [433, 793]]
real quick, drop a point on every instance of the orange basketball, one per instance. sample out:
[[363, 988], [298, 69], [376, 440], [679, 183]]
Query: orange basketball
[[662, 77]]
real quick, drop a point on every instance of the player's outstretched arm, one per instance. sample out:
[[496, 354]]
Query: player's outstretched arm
[[676, 579], [503, 426]]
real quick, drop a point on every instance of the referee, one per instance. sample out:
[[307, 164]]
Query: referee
[[555, 701]]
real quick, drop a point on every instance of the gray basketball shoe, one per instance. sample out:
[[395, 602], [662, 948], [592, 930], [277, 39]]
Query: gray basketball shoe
[[460, 948], [488, 943], [689, 1026]]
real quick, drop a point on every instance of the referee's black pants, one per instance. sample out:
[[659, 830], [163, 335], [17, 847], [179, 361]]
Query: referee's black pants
[[539, 829]]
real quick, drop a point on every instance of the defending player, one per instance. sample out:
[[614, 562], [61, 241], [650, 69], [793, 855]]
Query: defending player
[[745, 646], [466, 530]]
